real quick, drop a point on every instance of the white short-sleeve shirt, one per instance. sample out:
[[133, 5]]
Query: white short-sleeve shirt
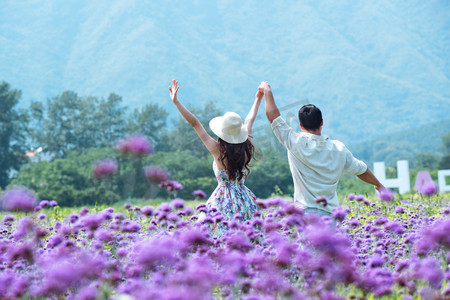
[[316, 164]]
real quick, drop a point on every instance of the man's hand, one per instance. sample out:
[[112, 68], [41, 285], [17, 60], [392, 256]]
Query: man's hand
[[264, 87], [173, 90], [379, 187], [272, 111]]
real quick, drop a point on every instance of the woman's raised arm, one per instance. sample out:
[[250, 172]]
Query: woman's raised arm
[[250, 119], [207, 140]]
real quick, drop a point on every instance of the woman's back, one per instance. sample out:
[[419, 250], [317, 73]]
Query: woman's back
[[222, 175]]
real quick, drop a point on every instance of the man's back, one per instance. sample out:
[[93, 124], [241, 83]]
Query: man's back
[[316, 164]]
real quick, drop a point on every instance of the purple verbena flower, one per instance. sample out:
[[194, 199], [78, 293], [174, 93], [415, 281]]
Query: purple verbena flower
[[156, 174], [340, 213], [429, 269], [359, 198], [18, 199], [429, 189], [386, 194], [147, 211], [239, 241], [199, 193], [399, 210], [136, 145], [171, 185], [104, 168], [43, 203], [178, 203], [8, 219], [84, 211], [394, 227]]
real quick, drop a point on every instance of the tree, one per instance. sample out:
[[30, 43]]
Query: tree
[[150, 121], [445, 161], [183, 136], [69, 122], [390, 153], [13, 129], [428, 161], [110, 119], [446, 143], [69, 180]]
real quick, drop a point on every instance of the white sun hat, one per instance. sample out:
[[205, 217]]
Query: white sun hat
[[229, 128]]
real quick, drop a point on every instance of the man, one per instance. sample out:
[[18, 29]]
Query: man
[[316, 162]]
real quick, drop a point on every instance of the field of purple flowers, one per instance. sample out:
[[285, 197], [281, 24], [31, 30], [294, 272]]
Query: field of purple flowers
[[394, 249]]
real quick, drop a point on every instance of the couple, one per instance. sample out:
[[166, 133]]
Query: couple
[[316, 162]]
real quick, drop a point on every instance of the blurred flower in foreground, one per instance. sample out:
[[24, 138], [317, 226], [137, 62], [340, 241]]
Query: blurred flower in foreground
[[171, 185], [429, 189], [424, 184], [178, 203], [18, 199], [156, 174], [104, 168], [199, 193], [136, 144], [386, 194], [340, 213]]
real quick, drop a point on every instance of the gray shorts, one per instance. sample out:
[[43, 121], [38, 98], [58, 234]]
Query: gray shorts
[[312, 210]]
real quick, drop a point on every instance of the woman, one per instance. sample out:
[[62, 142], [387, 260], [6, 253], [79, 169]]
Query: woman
[[232, 153]]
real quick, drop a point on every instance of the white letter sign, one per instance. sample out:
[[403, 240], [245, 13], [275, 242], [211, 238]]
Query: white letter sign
[[402, 182], [441, 178]]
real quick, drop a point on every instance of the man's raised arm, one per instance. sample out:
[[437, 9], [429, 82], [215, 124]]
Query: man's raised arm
[[272, 111]]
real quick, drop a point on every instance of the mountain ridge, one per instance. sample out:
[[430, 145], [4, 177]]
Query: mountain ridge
[[366, 65]]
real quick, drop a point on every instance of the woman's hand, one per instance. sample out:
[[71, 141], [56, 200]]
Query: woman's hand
[[173, 90], [264, 87], [259, 95]]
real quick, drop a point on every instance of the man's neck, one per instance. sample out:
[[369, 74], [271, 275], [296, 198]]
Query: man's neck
[[316, 132]]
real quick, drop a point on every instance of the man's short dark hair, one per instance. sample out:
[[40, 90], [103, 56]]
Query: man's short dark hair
[[310, 117]]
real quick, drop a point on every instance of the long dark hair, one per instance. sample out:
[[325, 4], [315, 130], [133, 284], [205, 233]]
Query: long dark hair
[[237, 156]]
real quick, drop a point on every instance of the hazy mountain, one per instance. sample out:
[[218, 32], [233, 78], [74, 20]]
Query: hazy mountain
[[374, 67], [405, 144]]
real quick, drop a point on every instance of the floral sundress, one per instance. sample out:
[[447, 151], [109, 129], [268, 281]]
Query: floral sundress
[[231, 198]]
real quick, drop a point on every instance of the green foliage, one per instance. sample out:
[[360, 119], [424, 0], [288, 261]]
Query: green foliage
[[444, 164], [68, 180], [206, 184], [150, 121], [426, 161], [445, 161], [192, 171], [351, 184], [446, 143], [13, 129], [402, 145], [270, 173], [70, 122], [77, 131], [183, 137], [390, 153]]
